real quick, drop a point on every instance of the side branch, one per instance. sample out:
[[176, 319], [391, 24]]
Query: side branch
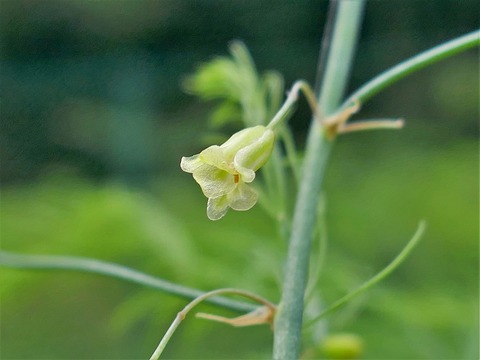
[[51, 262], [395, 263], [413, 64], [262, 315]]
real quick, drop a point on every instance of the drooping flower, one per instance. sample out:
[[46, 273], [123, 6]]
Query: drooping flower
[[224, 172]]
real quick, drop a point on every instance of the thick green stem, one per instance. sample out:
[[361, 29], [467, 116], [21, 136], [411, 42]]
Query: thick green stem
[[288, 323], [413, 64]]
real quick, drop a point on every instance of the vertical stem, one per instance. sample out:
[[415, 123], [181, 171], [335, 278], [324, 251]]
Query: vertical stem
[[288, 323]]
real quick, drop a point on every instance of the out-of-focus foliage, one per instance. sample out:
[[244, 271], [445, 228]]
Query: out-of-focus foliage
[[93, 126], [110, 222], [243, 93]]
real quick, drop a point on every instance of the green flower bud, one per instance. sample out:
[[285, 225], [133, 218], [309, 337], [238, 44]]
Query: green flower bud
[[342, 346], [224, 171]]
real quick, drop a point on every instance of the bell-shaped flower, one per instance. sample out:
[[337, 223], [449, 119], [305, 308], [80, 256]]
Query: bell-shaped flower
[[224, 172]]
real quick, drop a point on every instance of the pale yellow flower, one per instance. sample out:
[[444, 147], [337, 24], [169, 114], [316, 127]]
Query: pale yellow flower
[[224, 172]]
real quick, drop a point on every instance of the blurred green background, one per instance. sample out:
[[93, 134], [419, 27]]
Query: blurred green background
[[94, 123]]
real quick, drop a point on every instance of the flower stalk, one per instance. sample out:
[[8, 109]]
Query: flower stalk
[[282, 114]]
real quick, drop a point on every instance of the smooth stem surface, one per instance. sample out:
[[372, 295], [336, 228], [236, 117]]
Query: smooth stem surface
[[413, 64], [52, 262], [288, 322]]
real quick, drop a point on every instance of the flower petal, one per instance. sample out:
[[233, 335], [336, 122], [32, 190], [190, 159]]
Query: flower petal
[[252, 157], [242, 198], [190, 164], [242, 139], [217, 207], [213, 181], [213, 155]]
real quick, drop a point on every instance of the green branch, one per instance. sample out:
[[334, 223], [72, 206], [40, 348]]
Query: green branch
[[263, 315], [378, 277], [51, 262], [413, 64]]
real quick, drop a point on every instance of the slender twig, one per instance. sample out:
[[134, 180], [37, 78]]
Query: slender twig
[[288, 322], [51, 262], [378, 277], [205, 297], [413, 64]]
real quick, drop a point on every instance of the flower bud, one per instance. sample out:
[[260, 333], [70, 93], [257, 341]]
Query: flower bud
[[342, 346]]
